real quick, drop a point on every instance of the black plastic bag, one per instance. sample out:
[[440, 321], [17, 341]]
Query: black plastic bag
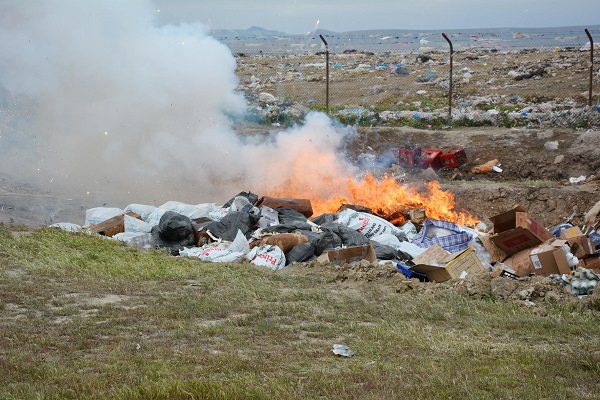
[[173, 232]]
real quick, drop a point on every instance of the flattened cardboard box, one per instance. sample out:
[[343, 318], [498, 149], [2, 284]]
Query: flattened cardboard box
[[439, 265], [349, 254], [112, 226], [516, 230]]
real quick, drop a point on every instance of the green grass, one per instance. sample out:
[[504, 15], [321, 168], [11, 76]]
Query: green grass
[[85, 317]]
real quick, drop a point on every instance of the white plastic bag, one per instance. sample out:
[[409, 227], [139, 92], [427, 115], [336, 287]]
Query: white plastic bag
[[218, 214], [100, 214], [192, 211], [135, 225], [390, 240], [142, 210], [409, 229], [240, 244], [267, 255], [154, 217], [220, 253], [367, 224]]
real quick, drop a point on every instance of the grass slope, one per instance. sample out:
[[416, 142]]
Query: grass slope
[[85, 317]]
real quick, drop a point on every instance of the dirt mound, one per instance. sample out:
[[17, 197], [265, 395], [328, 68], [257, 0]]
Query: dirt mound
[[527, 291]]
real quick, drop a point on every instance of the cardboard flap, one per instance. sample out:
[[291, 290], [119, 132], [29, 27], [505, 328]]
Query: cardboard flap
[[505, 221], [431, 256]]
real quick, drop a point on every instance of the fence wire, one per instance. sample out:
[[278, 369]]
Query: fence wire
[[537, 79]]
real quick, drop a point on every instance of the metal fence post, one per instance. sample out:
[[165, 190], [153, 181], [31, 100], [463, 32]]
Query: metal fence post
[[450, 84], [326, 72], [591, 65]]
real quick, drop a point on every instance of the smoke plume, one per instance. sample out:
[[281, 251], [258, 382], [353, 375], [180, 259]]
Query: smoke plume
[[97, 98]]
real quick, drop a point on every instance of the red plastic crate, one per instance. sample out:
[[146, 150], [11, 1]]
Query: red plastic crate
[[453, 158], [430, 158], [407, 158]]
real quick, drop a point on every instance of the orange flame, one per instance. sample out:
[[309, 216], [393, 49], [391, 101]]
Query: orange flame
[[385, 197]]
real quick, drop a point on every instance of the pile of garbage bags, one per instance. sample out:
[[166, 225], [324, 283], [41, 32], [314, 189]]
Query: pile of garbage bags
[[276, 232], [268, 231]]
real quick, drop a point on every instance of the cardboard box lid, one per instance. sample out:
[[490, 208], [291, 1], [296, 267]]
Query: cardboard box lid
[[431, 256], [349, 254], [515, 240]]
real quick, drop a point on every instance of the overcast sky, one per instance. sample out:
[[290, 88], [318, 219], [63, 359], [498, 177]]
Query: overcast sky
[[301, 16]]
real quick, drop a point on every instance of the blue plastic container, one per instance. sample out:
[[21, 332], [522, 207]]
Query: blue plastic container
[[411, 274]]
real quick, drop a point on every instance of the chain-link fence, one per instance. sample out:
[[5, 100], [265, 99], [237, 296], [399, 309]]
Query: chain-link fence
[[542, 78]]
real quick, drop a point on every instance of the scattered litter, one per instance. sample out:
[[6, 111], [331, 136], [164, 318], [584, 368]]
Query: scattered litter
[[341, 350], [578, 179], [551, 145], [485, 168]]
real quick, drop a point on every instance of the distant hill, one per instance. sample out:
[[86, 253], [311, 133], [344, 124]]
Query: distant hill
[[252, 32]]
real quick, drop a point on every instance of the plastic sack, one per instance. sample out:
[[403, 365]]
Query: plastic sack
[[173, 232], [142, 210], [218, 214], [367, 224], [301, 253], [268, 255], [155, 216], [220, 253], [410, 230], [240, 203], [189, 210], [240, 243], [448, 235], [96, 215], [135, 225]]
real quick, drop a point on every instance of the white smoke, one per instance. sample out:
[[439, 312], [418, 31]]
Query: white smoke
[[94, 97]]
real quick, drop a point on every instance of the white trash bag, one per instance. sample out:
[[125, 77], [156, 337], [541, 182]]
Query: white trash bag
[[367, 224], [268, 256], [96, 215]]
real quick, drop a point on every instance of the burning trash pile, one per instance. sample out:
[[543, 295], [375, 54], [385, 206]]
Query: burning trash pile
[[422, 239]]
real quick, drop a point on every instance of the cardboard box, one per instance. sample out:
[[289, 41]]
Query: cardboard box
[[496, 253], [112, 226], [550, 259], [592, 263], [581, 245], [439, 265], [520, 263], [516, 230], [349, 254]]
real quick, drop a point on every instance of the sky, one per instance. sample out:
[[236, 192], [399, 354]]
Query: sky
[[301, 16]]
